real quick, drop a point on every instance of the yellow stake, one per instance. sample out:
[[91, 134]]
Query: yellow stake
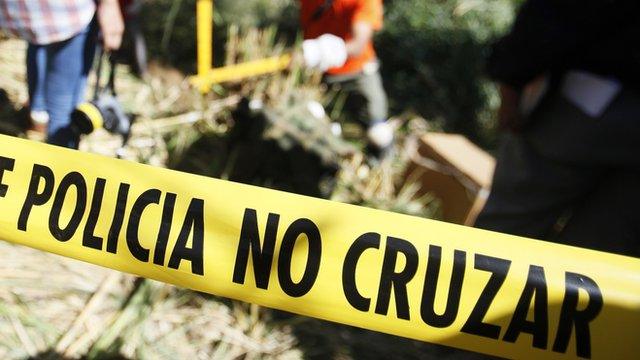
[[204, 21], [247, 69], [207, 75]]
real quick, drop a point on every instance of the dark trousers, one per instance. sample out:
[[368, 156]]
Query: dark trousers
[[572, 179]]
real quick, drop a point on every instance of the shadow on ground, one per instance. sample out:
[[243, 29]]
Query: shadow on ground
[[13, 120], [320, 340], [52, 355]]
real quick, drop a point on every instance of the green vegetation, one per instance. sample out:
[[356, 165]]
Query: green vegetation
[[432, 51], [433, 54], [170, 26]]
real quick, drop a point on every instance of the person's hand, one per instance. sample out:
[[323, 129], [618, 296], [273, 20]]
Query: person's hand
[[111, 24], [326, 52], [509, 117]]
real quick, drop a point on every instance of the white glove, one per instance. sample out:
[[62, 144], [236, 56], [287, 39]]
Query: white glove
[[326, 52]]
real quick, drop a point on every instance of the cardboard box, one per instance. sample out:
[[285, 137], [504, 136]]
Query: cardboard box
[[454, 170]]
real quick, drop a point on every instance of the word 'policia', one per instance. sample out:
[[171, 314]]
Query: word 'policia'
[[41, 190], [574, 314]]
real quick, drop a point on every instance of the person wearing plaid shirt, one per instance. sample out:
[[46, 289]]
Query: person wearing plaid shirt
[[62, 38]]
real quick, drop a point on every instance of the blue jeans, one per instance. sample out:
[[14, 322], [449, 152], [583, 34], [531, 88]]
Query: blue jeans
[[57, 77], [36, 68]]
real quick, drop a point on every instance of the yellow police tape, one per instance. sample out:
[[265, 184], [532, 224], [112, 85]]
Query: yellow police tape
[[416, 278]]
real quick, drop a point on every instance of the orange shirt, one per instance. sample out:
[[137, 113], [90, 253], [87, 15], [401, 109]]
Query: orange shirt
[[339, 20]]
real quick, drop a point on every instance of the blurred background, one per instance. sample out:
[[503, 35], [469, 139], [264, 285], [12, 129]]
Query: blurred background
[[261, 131]]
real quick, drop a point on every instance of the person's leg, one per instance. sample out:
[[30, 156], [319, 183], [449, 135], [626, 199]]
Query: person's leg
[[36, 68], [366, 102], [369, 85], [609, 219], [68, 64], [347, 103], [380, 133], [530, 192], [366, 98], [36, 75], [88, 57]]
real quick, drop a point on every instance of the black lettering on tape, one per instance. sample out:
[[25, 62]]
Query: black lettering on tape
[[6, 164], [427, 306], [165, 228], [499, 269], [193, 223], [536, 289], [349, 286], [35, 198], [261, 256], [66, 233], [89, 239], [291, 236], [390, 279], [118, 218], [147, 198], [571, 317]]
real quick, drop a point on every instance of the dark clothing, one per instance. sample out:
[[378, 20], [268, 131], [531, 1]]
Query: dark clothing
[[571, 178], [561, 131], [552, 36]]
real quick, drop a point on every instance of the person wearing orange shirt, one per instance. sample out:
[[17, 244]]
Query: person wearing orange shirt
[[339, 42]]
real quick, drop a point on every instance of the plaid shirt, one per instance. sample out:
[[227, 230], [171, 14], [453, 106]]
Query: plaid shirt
[[46, 21]]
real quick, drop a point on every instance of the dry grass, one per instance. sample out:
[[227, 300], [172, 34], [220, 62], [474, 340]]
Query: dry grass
[[43, 295]]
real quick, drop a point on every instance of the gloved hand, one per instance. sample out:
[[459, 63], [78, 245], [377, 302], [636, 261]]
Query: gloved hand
[[326, 52]]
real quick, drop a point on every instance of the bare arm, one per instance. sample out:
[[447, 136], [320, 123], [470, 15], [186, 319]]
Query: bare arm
[[111, 24], [362, 34]]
